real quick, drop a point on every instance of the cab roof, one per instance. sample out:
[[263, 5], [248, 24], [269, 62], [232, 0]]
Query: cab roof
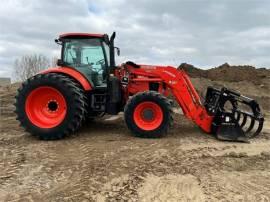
[[81, 35]]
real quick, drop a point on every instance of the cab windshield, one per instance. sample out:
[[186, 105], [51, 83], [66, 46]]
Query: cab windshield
[[87, 53]]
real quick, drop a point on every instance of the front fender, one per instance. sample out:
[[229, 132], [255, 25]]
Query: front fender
[[72, 73]]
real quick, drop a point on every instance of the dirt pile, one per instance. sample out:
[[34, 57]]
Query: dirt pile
[[247, 80], [226, 72], [7, 94]]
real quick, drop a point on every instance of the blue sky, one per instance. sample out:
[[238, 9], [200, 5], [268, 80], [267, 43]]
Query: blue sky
[[205, 33]]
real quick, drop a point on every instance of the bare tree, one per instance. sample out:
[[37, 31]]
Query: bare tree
[[54, 61], [29, 65]]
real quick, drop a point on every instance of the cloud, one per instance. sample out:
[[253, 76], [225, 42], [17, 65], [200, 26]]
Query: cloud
[[205, 33]]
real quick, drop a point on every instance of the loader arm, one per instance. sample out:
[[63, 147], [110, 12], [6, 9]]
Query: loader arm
[[189, 100]]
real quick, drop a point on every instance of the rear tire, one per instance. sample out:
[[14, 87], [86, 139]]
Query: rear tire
[[148, 114], [64, 112]]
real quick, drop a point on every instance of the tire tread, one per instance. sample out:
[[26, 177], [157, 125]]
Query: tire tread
[[78, 111]]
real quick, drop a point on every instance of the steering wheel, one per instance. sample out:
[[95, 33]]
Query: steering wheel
[[100, 62], [98, 70]]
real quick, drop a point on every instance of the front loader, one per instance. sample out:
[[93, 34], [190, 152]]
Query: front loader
[[88, 84]]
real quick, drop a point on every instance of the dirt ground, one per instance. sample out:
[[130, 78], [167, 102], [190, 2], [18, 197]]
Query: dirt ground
[[104, 162]]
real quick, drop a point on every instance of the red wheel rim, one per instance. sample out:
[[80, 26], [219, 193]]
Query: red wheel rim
[[46, 107], [148, 115]]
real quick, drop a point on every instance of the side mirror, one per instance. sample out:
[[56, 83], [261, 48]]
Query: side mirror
[[58, 41], [117, 50], [60, 62]]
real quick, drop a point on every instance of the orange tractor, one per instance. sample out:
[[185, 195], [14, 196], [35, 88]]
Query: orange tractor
[[87, 84]]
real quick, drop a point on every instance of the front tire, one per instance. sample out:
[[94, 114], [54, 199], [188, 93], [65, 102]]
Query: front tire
[[148, 114], [50, 106]]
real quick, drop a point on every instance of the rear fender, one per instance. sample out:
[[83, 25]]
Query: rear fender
[[72, 73]]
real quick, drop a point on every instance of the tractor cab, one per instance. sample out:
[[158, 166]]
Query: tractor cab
[[90, 54], [93, 55]]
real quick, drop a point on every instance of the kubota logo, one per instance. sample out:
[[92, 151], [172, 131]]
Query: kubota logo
[[148, 67]]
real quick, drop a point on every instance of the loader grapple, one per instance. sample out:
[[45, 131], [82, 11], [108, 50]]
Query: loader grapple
[[236, 117]]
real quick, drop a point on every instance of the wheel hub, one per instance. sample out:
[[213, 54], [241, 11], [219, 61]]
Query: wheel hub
[[148, 114], [52, 106]]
